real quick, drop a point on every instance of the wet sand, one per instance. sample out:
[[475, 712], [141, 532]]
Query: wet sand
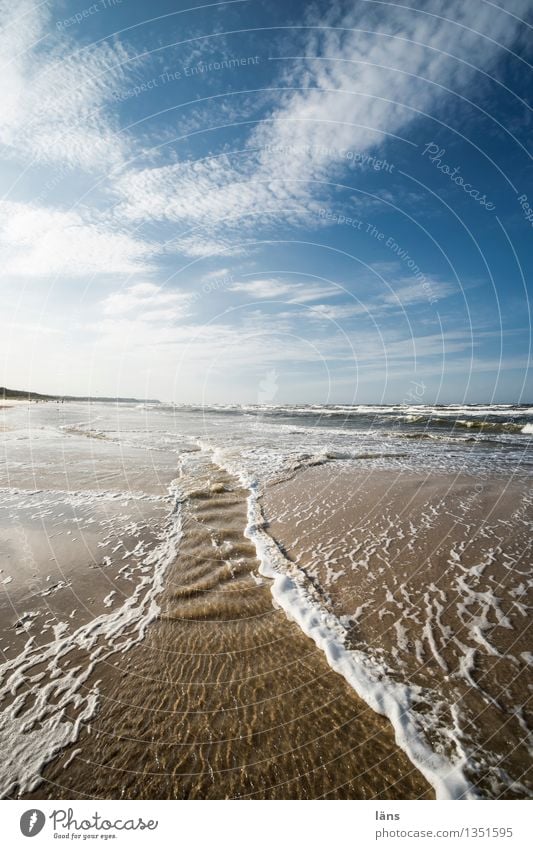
[[431, 575], [225, 698], [144, 657]]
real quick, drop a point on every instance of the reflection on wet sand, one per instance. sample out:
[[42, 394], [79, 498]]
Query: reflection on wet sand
[[226, 698]]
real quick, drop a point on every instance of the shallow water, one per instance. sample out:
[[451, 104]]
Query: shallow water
[[225, 698], [174, 674], [431, 576]]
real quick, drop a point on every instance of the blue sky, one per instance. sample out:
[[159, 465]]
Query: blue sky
[[333, 200]]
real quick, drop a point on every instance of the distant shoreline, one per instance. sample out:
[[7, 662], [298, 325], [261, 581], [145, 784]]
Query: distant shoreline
[[27, 395]]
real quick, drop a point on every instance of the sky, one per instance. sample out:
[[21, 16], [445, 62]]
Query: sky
[[265, 202]]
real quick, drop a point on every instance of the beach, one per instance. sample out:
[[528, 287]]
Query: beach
[[430, 574], [265, 603]]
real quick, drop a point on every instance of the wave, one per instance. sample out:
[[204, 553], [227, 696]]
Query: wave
[[294, 593], [300, 600], [471, 424], [363, 409], [498, 418], [41, 720]]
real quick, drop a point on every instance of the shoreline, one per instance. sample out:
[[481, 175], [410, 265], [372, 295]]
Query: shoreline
[[302, 604], [224, 678], [465, 638], [337, 631]]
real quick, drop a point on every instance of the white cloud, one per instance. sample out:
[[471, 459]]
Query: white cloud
[[408, 293], [365, 74], [216, 274], [151, 303], [35, 241], [262, 288], [213, 194], [403, 293], [338, 312], [55, 102], [202, 244], [370, 75], [286, 290]]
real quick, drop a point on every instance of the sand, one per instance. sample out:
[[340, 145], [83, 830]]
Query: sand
[[432, 574], [144, 656], [226, 698]]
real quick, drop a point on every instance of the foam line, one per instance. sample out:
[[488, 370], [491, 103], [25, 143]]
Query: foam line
[[32, 734], [293, 593]]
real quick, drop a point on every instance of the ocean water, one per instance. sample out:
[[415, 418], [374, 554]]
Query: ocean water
[[102, 489]]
